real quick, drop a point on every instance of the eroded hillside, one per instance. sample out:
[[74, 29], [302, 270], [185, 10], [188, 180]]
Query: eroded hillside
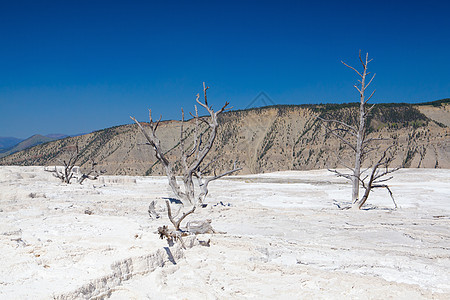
[[264, 140]]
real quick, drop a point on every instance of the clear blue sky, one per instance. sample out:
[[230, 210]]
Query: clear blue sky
[[77, 66]]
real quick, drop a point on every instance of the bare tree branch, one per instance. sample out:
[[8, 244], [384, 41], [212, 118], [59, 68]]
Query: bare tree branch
[[374, 178], [373, 92], [345, 141], [353, 128], [352, 68], [370, 81], [91, 174]]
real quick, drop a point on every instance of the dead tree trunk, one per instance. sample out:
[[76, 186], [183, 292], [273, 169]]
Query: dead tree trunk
[[192, 159], [361, 129], [354, 136]]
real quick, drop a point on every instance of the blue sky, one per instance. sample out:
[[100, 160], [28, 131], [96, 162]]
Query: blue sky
[[77, 66]]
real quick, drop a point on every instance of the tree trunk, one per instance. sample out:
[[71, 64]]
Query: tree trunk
[[360, 137], [358, 155], [358, 204]]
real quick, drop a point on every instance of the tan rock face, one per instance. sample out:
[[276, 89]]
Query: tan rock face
[[438, 113], [264, 140]]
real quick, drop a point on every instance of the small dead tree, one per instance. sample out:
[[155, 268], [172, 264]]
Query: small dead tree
[[92, 173], [66, 174], [193, 163], [355, 137], [69, 166]]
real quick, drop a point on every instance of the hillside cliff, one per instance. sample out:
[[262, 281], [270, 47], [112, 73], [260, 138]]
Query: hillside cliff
[[265, 140]]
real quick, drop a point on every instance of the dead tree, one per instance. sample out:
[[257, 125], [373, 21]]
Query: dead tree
[[354, 136], [91, 174], [193, 162], [69, 166], [66, 174]]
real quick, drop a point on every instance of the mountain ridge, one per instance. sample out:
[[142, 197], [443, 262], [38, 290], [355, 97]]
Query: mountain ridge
[[32, 141], [267, 139], [8, 142]]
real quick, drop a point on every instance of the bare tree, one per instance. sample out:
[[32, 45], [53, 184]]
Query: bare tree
[[193, 162], [69, 167], [65, 175], [91, 174], [354, 136]]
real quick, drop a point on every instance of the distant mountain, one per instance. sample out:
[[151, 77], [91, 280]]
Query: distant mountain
[[268, 139], [8, 142], [57, 136], [32, 141]]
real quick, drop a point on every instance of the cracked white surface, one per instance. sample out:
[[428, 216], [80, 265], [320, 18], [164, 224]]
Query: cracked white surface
[[285, 238]]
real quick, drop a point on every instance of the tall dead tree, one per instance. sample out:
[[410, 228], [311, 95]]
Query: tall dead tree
[[192, 158], [355, 137]]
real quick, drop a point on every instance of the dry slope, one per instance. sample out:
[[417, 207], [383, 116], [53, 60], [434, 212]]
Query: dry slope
[[265, 140]]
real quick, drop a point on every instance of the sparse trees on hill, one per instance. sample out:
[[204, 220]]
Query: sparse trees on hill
[[193, 157], [355, 137]]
